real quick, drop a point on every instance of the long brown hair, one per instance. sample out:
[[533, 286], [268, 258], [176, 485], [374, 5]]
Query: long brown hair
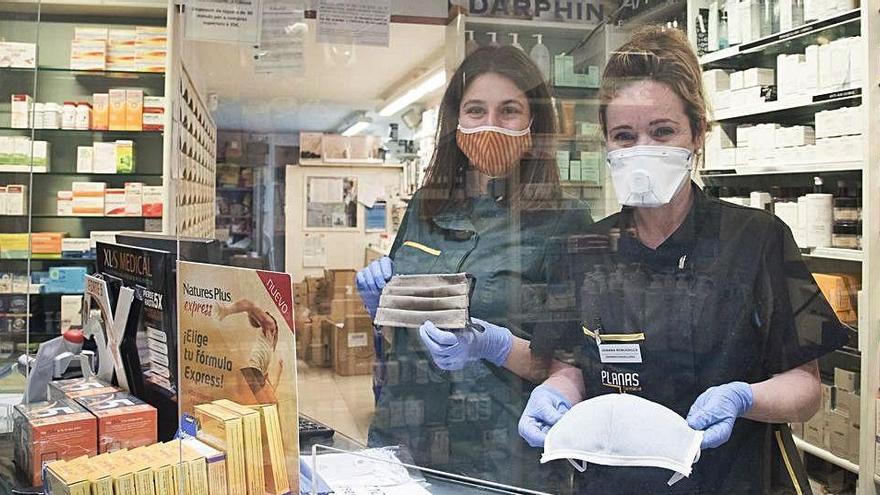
[[538, 177], [665, 56]]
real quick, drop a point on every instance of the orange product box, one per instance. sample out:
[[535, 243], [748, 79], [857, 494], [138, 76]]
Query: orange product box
[[75, 388], [50, 431], [117, 118], [134, 109], [124, 421], [46, 242], [101, 111]]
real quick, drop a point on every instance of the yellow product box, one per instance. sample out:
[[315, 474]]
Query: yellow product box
[[65, 479], [841, 291], [151, 59], [117, 117], [215, 461], [121, 49], [253, 444], [277, 482], [125, 159], [223, 430], [134, 109], [101, 111], [13, 246], [99, 473]]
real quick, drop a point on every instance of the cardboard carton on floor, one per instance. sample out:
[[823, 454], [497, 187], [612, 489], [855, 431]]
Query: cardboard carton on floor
[[353, 350]]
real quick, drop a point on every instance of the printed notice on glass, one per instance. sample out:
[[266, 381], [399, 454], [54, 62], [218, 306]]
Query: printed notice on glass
[[331, 202], [354, 22], [314, 251], [235, 21], [281, 38]]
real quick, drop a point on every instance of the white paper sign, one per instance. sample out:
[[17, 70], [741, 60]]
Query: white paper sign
[[325, 190], [235, 21], [620, 353], [314, 251], [354, 22], [282, 37]]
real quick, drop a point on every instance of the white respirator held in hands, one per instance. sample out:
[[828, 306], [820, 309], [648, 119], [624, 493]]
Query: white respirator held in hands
[[648, 176]]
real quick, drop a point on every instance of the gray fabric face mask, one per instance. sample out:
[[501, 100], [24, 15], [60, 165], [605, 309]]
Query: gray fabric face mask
[[410, 300]]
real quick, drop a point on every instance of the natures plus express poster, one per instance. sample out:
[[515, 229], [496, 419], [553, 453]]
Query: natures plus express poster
[[236, 342]]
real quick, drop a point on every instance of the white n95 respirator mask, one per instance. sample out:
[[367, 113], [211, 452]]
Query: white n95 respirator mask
[[648, 176], [624, 430]]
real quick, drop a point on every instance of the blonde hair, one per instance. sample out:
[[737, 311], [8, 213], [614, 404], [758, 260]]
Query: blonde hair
[[661, 55]]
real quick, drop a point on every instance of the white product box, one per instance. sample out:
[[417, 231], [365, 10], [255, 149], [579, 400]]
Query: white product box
[[2, 200], [811, 10], [18, 55], [82, 33], [809, 74], [719, 139], [747, 27], [88, 55], [757, 76], [734, 30], [737, 79], [114, 202], [41, 156], [88, 198], [722, 100], [7, 148], [746, 97], [134, 199], [71, 312], [713, 27], [823, 122], [85, 158], [96, 236], [826, 75], [76, 245], [801, 135], [104, 156], [856, 62], [16, 199], [152, 201], [21, 106], [786, 21], [65, 203], [840, 61], [716, 80]]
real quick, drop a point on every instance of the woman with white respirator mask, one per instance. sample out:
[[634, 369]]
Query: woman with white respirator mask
[[490, 201], [691, 304]]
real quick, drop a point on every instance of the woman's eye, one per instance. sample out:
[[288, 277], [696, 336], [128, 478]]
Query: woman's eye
[[474, 111], [664, 132], [511, 110], [623, 136]]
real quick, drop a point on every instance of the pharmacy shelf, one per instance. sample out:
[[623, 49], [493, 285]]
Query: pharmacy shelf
[[790, 108], [156, 9], [235, 189], [79, 174], [349, 163], [112, 74], [825, 455], [801, 37], [108, 134], [86, 217], [854, 255], [49, 260], [780, 169]]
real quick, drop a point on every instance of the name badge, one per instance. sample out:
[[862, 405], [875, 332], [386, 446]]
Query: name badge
[[620, 353]]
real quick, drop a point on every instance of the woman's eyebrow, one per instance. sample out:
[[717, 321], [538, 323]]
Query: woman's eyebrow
[[474, 102], [621, 127], [663, 121]]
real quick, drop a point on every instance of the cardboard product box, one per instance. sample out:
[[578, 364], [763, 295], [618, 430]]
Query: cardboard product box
[[846, 380], [13, 246], [341, 308], [124, 421], [101, 111], [66, 280], [134, 199], [154, 113], [88, 198], [71, 315], [852, 446], [841, 291], [850, 405], [125, 157], [49, 431], [114, 202], [134, 109], [150, 59], [152, 201], [814, 430], [65, 203], [88, 54], [47, 242], [76, 388], [18, 55], [74, 247], [2, 200], [16, 199], [21, 106], [353, 350], [342, 282], [837, 431], [103, 158], [85, 158], [116, 113], [827, 398]]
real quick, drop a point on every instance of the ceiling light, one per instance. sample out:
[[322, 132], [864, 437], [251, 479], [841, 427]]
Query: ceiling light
[[433, 82], [356, 128]]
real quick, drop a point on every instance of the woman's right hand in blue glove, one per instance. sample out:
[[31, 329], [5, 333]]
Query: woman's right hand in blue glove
[[545, 407], [371, 280]]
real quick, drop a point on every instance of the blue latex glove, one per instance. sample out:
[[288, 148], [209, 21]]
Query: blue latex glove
[[453, 350], [545, 407], [371, 280], [716, 409]]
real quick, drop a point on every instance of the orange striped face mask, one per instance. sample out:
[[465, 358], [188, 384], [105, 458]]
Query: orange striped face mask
[[492, 150]]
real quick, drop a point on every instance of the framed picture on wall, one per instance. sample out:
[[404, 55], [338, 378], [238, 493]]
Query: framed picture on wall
[[331, 203], [376, 218]]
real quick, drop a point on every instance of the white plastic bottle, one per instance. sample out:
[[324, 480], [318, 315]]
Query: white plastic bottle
[[470, 45], [541, 56], [515, 41], [493, 37]]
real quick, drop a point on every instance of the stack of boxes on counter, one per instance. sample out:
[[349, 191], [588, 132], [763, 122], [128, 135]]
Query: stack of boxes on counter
[[836, 137], [821, 69], [142, 49], [116, 110], [835, 427], [333, 328], [237, 450], [83, 417]]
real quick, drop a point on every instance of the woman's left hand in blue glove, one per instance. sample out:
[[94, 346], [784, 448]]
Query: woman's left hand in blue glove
[[716, 409], [454, 349]]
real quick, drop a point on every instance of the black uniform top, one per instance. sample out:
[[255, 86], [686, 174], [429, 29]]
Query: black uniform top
[[726, 298]]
